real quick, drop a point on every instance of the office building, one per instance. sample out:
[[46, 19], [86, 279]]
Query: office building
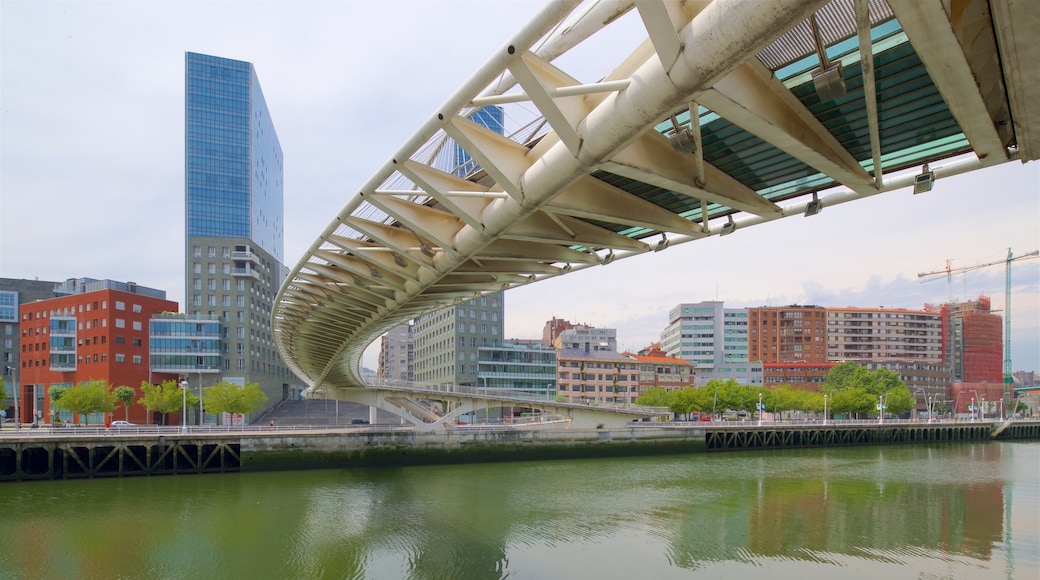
[[714, 339], [447, 341], [522, 367], [234, 218]]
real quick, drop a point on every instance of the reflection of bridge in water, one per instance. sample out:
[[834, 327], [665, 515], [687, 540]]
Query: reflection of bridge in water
[[726, 115], [432, 407]]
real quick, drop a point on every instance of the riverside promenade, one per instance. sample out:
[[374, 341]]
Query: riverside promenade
[[77, 453]]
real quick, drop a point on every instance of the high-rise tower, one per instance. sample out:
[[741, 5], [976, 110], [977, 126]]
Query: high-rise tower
[[233, 217]]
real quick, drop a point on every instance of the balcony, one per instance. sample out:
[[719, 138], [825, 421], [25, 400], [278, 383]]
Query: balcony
[[246, 271]]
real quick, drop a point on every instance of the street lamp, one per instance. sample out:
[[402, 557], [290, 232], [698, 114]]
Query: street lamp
[[881, 409], [184, 407], [825, 408], [760, 408]]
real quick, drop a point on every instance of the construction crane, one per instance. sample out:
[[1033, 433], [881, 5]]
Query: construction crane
[[949, 272]]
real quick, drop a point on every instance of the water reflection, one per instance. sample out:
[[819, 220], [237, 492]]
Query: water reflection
[[951, 511]]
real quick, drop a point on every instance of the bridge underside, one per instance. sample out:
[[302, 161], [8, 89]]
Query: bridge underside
[[724, 115], [429, 410]]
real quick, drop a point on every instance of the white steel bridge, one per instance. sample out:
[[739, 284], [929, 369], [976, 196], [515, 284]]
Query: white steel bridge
[[727, 114]]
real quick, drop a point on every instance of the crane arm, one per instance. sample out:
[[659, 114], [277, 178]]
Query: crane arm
[[950, 270]]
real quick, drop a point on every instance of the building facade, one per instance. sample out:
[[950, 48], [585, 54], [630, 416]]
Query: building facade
[[587, 338], [94, 330], [928, 382], [883, 334], [523, 367], [447, 341], [973, 341], [234, 218], [657, 369], [787, 334], [188, 347], [714, 339], [596, 377], [807, 376], [13, 293], [397, 354]]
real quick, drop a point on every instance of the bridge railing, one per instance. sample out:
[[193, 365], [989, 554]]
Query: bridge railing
[[510, 395]]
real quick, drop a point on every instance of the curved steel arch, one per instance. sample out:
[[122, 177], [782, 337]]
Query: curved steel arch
[[615, 167]]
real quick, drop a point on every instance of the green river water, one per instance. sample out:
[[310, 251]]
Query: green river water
[[966, 510]]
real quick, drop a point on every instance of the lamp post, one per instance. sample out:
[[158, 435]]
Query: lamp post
[[760, 408], [184, 407], [825, 408], [714, 404], [881, 409], [200, 398], [16, 390]]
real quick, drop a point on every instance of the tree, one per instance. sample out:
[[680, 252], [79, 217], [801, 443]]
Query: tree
[[854, 389], [125, 395], [165, 398], [226, 397], [653, 397], [56, 393], [681, 402], [88, 397]]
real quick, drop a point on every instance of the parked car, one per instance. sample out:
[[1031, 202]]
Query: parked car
[[122, 424], [359, 421]]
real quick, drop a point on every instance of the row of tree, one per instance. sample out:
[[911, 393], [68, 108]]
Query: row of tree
[[848, 389], [164, 398]]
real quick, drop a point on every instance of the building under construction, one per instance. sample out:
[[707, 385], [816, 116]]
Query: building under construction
[[972, 341]]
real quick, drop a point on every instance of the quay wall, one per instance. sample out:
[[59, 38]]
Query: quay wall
[[42, 456]]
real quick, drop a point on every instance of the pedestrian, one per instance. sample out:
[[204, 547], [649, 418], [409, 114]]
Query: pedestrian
[[272, 425]]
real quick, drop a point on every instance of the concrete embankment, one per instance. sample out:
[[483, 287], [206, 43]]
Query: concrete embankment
[[68, 455]]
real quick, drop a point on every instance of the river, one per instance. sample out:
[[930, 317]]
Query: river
[[965, 510]]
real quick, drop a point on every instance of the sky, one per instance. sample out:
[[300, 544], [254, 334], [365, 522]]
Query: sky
[[92, 166]]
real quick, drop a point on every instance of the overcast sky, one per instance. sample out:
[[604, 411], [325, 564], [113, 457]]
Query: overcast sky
[[92, 165]]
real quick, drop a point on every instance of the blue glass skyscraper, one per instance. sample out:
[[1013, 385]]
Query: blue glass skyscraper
[[233, 216]]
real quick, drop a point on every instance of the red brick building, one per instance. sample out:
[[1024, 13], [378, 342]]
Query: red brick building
[[98, 331], [787, 334]]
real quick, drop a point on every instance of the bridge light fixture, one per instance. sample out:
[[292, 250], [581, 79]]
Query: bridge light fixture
[[427, 249], [662, 244], [400, 261], [729, 228], [924, 180], [813, 207]]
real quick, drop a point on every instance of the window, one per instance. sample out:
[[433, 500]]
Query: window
[[120, 358], [137, 342], [120, 305], [211, 284], [196, 284], [196, 268], [137, 325], [136, 359], [120, 323]]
